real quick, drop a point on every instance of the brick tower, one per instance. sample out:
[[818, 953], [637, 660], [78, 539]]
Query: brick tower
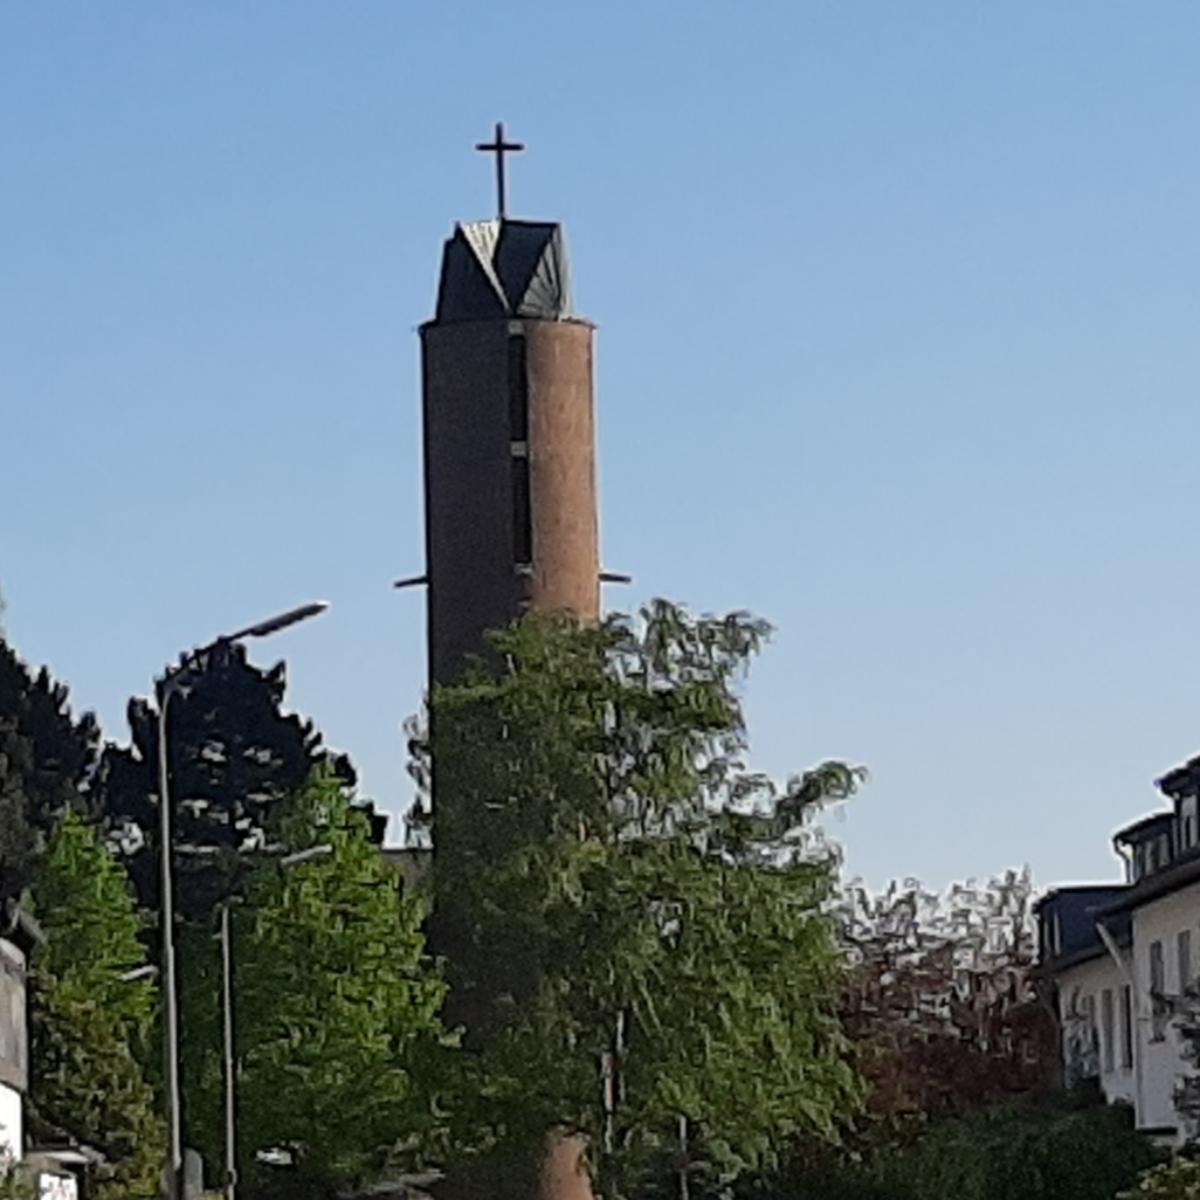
[[510, 470], [510, 474]]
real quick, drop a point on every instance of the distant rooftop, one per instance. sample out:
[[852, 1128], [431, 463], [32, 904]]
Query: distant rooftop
[[503, 268], [1150, 826], [1182, 781], [415, 864]]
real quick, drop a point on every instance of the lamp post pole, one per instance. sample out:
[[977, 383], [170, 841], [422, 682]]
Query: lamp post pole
[[230, 1064], [231, 1172], [171, 685], [166, 908]]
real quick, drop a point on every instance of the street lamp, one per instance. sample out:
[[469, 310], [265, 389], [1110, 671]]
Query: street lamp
[[171, 684], [149, 971], [287, 862]]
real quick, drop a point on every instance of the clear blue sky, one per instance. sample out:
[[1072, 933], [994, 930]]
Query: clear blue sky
[[898, 310]]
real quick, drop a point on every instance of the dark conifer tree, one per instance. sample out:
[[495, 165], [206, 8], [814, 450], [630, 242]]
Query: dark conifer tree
[[47, 758], [235, 757]]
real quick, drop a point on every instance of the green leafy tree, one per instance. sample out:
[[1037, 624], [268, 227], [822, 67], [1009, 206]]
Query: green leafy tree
[[46, 759], [16, 1183], [338, 1036], [91, 1023], [1052, 1150], [612, 880], [1037, 1155], [1177, 1180]]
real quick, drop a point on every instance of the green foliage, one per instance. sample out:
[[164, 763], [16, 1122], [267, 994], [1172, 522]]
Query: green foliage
[[605, 856], [236, 756], [1029, 1153], [1177, 1180], [16, 1183], [90, 1028], [337, 1031], [1083, 1155], [45, 757]]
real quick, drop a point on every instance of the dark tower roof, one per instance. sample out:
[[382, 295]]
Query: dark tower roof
[[503, 268]]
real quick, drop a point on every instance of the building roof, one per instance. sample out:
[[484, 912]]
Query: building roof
[[1145, 826], [1182, 781], [1078, 909], [1183, 871], [415, 864], [504, 268], [1078, 895]]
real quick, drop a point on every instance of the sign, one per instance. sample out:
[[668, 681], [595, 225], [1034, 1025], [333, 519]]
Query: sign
[[57, 1187]]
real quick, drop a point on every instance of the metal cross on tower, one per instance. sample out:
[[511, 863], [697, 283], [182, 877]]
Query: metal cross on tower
[[499, 147]]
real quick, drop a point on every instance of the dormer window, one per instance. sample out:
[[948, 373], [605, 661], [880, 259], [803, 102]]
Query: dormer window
[[1187, 823], [1054, 934]]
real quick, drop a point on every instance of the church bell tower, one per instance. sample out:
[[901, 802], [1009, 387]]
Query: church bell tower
[[509, 436]]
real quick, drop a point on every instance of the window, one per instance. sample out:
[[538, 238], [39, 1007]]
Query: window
[[1183, 949], [518, 436], [518, 391], [1106, 1028], [1157, 988], [1089, 1023], [1157, 976], [1126, 1027], [522, 517]]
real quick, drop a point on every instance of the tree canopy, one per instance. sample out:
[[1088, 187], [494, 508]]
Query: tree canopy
[[46, 759], [941, 998], [617, 891], [339, 1043], [236, 755], [1049, 1150], [1176, 1180], [92, 1023]]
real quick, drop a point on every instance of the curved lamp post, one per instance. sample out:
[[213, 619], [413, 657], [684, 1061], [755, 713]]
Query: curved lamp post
[[170, 686]]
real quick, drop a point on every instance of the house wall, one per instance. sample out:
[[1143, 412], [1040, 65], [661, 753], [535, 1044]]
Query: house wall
[[14, 1047], [1161, 921], [1076, 986], [12, 1132], [14, 1041]]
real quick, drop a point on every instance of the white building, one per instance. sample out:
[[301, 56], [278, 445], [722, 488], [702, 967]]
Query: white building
[[1120, 957], [18, 935]]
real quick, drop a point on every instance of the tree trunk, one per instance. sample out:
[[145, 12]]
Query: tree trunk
[[564, 1172]]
